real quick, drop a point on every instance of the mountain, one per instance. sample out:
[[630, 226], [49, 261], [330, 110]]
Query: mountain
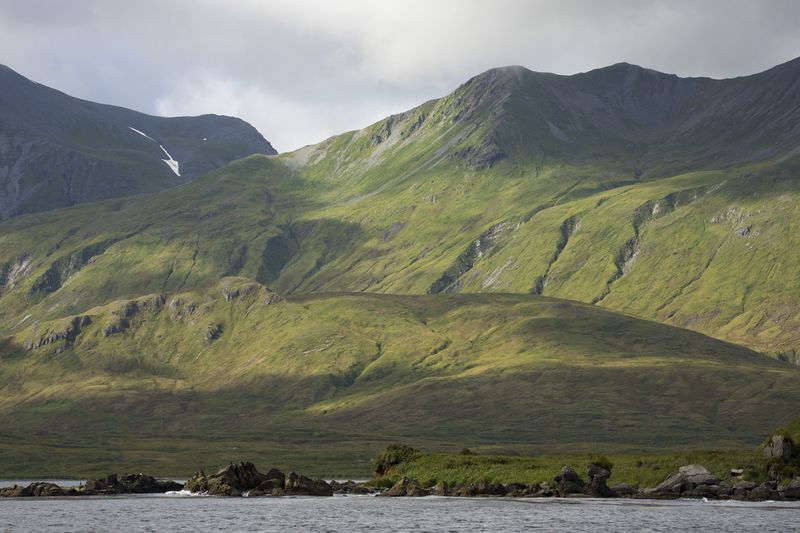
[[620, 190], [58, 151]]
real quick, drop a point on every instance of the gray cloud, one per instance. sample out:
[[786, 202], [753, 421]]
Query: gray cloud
[[304, 70]]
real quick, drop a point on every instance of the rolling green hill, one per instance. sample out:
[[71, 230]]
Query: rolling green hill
[[240, 366], [669, 199]]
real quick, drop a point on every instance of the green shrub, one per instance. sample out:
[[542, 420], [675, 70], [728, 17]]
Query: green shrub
[[601, 461], [391, 456]]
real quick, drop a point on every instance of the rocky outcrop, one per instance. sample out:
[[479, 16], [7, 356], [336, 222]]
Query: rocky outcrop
[[481, 489], [486, 243], [245, 479], [109, 485], [568, 482], [792, 491], [598, 482], [693, 479], [350, 487], [66, 330], [405, 487], [38, 489], [779, 448], [124, 316], [298, 485], [69, 265], [128, 484], [623, 490]]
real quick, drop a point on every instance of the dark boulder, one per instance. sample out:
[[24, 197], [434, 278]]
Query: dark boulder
[[624, 490], [233, 480], [522, 490], [792, 491], [481, 489], [143, 484], [108, 485], [598, 482], [724, 489], [742, 489], [765, 491], [568, 482], [298, 485], [349, 487]]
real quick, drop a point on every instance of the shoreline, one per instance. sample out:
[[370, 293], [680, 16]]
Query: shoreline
[[691, 483]]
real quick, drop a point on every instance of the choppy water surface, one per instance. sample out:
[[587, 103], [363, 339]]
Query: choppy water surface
[[366, 513]]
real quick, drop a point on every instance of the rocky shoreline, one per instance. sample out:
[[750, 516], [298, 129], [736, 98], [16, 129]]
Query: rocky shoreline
[[245, 480], [691, 481]]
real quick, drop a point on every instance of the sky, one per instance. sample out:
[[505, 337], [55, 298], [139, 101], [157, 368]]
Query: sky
[[302, 70]]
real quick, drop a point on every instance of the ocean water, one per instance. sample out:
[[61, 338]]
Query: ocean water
[[367, 513]]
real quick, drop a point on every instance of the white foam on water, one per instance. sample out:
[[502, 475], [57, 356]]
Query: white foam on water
[[184, 493]]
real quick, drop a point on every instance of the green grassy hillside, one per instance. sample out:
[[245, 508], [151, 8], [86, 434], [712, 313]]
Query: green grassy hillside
[[239, 366], [411, 268]]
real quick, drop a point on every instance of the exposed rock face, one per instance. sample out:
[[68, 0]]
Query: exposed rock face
[[405, 487], [244, 478], [779, 448], [693, 479], [349, 487], [303, 486], [598, 482], [67, 330], [568, 482], [143, 484], [793, 489], [698, 475], [128, 484], [38, 489], [111, 484], [481, 489]]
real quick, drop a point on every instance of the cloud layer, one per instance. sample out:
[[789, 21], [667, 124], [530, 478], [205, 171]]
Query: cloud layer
[[301, 71]]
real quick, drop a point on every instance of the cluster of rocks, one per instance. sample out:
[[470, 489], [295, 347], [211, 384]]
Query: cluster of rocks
[[691, 481], [694, 481], [245, 479], [111, 484], [567, 483]]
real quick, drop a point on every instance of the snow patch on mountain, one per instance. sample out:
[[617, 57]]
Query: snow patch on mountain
[[173, 165], [143, 134]]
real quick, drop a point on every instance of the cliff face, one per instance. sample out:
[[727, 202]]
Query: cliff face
[[58, 151]]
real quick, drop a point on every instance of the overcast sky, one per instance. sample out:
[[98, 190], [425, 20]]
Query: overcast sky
[[301, 71]]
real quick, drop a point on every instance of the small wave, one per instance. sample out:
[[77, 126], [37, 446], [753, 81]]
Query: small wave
[[184, 493]]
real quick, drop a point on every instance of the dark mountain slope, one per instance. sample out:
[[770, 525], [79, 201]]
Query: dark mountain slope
[[56, 150]]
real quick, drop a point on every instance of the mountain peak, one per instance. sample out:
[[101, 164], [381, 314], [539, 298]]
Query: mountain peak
[[65, 150]]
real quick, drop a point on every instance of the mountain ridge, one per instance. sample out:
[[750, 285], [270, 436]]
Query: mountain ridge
[[236, 292], [58, 150]]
